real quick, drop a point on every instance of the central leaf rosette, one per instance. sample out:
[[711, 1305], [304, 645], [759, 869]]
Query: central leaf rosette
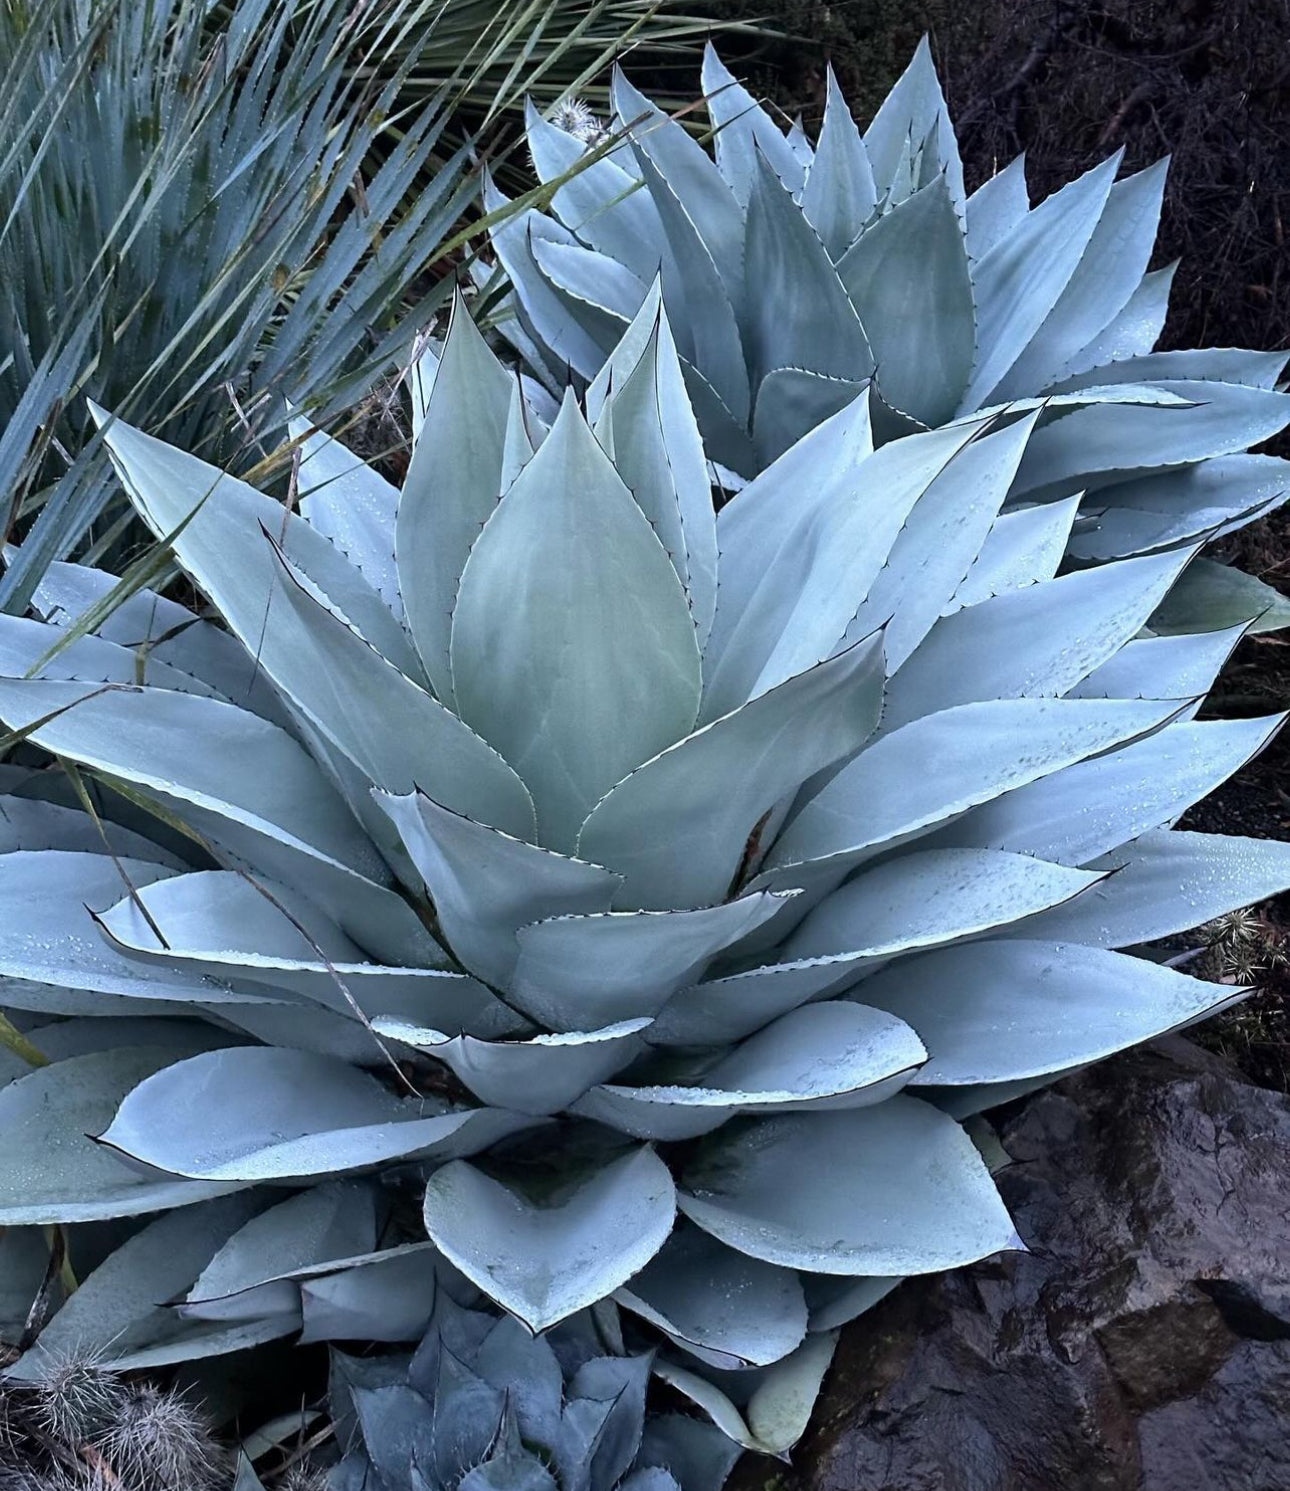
[[653, 889]]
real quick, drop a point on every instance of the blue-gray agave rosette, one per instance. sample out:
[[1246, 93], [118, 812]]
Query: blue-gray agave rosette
[[642, 895], [795, 272]]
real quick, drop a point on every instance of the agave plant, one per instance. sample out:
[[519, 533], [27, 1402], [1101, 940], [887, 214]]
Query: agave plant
[[614, 899], [482, 1405], [794, 273]]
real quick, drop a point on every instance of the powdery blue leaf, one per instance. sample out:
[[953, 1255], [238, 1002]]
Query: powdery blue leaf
[[214, 524], [545, 1262], [907, 277], [601, 203], [259, 1113], [596, 289], [567, 591], [1106, 276], [1022, 547], [936, 768], [24, 643], [389, 1296], [836, 1301], [997, 207], [52, 1171], [485, 885], [934, 896], [1077, 814], [790, 403], [1020, 279], [799, 315], [1031, 643], [581, 972], [825, 1056], [1001, 1011], [893, 1189], [839, 197], [119, 1317], [1133, 333], [743, 131], [393, 730], [721, 1306], [221, 925], [678, 828], [1211, 596], [541, 1075], [914, 113], [350, 503], [1165, 883], [1181, 666]]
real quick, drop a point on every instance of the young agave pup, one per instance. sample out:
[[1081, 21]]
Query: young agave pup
[[795, 273], [612, 900]]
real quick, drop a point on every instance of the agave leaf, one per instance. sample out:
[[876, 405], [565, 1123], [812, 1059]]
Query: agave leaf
[[942, 536], [1021, 548], [247, 1277], [840, 196], [53, 1172], [169, 632], [601, 203], [388, 1297], [722, 1010], [582, 972], [485, 885], [270, 1114], [528, 1371], [393, 730], [832, 1055], [1168, 667], [617, 1383], [679, 828], [893, 1189], [512, 239], [800, 315], [1167, 882], [1025, 1009], [1231, 365], [541, 1075], [49, 935], [1021, 279], [543, 1263], [1210, 596], [1131, 334], [1034, 642], [936, 768], [698, 1454], [218, 924], [566, 589], [28, 823], [721, 1306], [779, 1408], [933, 896], [24, 646], [693, 184], [802, 544], [597, 289], [659, 455], [835, 1301], [509, 1468], [350, 503], [997, 208], [914, 111], [790, 403], [907, 277], [1105, 442], [744, 131], [1119, 531], [1105, 278], [118, 1316], [1075, 815], [213, 522]]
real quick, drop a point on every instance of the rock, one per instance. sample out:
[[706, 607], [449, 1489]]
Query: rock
[[1142, 1345]]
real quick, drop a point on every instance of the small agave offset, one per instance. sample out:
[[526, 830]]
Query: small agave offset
[[549, 880], [794, 273]]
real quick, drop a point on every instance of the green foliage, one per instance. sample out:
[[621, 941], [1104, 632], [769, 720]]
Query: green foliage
[[548, 875]]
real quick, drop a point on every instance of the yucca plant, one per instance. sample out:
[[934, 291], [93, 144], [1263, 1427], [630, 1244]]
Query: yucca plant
[[190, 215], [795, 273], [614, 899]]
